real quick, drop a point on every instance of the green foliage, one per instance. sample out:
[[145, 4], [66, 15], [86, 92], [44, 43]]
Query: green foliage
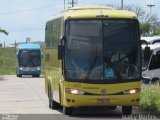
[[150, 98], [3, 31], [145, 29], [7, 61], [156, 32]]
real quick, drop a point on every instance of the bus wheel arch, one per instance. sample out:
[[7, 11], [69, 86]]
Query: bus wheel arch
[[52, 104], [155, 80]]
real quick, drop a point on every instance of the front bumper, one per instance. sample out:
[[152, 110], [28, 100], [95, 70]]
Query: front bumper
[[29, 71], [110, 100]]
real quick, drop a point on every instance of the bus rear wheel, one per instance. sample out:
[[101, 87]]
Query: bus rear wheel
[[55, 105], [67, 110], [126, 110], [52, 103]]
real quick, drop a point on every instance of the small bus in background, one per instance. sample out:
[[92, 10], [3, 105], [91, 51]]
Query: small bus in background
[[151, 63], [152, 39], [28, 60], [92, 58]]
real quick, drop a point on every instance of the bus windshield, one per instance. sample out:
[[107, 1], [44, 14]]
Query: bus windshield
[[29, 58], [106, 50]]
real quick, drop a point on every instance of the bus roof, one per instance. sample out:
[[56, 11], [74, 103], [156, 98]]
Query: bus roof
[[96, 12], [28, 46]]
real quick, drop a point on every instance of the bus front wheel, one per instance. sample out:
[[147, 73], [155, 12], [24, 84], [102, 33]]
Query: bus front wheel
[[126, 110], [36, 75], [67, 110], [18, 75]]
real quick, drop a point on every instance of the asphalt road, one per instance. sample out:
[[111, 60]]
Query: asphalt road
[[25, 96]]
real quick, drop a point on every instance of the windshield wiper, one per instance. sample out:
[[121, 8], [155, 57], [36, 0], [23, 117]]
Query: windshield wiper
[[92, 66]]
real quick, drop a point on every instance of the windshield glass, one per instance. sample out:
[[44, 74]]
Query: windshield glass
[[28, 58], [84, 50], [106, 50], [121, 49]]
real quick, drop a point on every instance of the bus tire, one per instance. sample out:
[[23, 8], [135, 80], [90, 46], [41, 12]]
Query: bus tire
[[49, 97], [36, 75], [126, 110], [52, 104], [55, 105], [20, 75], [67, 110], [155, 80], [112, 107]]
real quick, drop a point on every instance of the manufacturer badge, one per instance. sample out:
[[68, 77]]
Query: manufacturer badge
[[103, 91]]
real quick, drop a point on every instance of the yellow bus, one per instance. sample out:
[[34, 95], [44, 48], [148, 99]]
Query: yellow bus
[[93, 58]]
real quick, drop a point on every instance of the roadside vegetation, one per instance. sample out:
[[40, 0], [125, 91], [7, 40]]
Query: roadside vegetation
[[150, 98], [7, 61]]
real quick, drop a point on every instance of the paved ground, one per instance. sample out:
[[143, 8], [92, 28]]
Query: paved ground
[[26, 95], [23, 96]]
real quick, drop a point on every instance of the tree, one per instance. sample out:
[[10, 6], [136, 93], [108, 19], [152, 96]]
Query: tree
[[156, 32], [148, 21], [3, 31], [145, 29], [136, 9]]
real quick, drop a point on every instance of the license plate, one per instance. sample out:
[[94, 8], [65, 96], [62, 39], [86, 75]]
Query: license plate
[[103, 101]]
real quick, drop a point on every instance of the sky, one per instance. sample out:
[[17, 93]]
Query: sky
[[26, 18]]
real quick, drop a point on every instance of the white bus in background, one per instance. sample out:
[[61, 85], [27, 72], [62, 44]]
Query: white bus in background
[[151, 63], [152, 40]]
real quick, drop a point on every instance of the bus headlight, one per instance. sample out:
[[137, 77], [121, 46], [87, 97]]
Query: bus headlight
[[21, 68], [145, 76], [132, 91], [73, 91], [38, 68]]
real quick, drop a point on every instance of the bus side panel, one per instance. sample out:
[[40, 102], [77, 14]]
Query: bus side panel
[[55, 74], [17, 63], [47, 70], [52, 40]]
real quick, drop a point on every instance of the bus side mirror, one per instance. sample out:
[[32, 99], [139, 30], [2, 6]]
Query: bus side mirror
[[60, 52], [147, 53], [17, 56]]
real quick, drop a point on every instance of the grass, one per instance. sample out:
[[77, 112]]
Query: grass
[[150, 98], [7, 61]]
